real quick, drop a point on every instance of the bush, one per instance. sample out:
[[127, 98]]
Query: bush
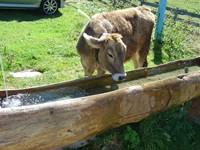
[[171, 46], [162, 131]]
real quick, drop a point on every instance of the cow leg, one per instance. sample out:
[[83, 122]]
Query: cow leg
[[89, 64], [143, 52], [140, 59], [88, 70], [136, 60], [100, 71]]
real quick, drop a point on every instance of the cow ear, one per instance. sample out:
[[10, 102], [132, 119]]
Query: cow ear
[[92, 41]]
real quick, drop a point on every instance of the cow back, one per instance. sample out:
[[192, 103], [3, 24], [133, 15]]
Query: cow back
[[134, 24]]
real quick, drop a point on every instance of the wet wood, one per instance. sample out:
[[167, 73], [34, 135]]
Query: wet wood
[[55, 124], [50, 125], [106, 79], [194, 111]]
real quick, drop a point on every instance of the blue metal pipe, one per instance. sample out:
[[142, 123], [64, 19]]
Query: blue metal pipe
[[160, 18]]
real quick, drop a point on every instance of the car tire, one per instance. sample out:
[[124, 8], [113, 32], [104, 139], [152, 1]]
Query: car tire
[[49, 7]]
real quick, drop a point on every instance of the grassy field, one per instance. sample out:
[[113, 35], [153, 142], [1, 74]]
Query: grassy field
[[188, 5], [43, 43], [30, 40], [46, 44]]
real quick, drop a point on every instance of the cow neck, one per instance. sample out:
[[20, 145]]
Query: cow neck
[[96, 53]]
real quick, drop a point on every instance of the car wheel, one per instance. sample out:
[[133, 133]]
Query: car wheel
[[49, 7]]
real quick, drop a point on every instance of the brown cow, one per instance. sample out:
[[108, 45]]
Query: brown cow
[[111, 38]]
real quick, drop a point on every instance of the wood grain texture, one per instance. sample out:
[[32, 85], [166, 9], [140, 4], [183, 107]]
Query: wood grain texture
[[54, 124]]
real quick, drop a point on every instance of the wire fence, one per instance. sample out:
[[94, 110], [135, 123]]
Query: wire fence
[[175, 11]]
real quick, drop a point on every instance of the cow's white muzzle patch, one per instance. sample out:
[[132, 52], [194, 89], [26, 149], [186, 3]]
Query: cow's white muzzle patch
[[119, 76]]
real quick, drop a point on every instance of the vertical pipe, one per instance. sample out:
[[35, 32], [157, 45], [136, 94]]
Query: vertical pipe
[[158, 32], [160, 18], [141, 2], [3, 74]]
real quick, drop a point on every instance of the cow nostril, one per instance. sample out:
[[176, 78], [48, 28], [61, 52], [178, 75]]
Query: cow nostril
[[121, 78]]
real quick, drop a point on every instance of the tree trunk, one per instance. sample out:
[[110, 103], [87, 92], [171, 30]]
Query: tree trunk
[[54, 124]]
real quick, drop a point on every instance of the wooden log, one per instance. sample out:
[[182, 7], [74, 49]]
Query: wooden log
[[194, 111], [106, 79], [195, 108], [54, 124]]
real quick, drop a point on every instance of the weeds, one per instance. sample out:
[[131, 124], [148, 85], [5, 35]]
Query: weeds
[[162, 131], [171, 46], [131, 137], [168, 130]]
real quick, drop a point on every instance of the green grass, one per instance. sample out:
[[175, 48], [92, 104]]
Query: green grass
[[47, 43], [189, 5], [167, 130], [43, 43]]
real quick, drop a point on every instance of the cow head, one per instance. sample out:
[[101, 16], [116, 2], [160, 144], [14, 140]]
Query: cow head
[[111, 53]]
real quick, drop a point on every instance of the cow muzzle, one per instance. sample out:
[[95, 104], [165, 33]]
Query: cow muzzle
[[119, 76]]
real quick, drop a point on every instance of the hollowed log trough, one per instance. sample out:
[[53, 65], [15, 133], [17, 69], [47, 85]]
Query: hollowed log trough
[[109, 104]]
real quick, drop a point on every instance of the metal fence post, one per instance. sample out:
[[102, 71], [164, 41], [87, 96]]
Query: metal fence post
[[141, 2], [160, 18], [158, 43]]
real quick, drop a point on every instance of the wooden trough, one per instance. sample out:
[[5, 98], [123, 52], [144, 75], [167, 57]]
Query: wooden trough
[[103, 104]]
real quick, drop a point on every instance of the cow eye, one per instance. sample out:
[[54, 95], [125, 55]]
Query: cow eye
[[110, 55]]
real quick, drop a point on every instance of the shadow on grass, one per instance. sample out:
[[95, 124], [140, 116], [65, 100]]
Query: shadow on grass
[[24, 15], [158, 44]]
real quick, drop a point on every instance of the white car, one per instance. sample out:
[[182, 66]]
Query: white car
[[48, 7]]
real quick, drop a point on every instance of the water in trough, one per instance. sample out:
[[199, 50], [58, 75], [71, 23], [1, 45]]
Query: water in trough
[[42, 97], [75, 92]]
